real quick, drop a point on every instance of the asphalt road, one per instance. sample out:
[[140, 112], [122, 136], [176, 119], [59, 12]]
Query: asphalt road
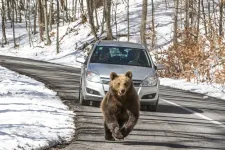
[[183, 120]]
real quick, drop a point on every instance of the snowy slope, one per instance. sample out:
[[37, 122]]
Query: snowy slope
[[78, 34], [31, 116]]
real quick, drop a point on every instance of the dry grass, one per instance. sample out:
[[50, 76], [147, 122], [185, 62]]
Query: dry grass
[[202, 60]]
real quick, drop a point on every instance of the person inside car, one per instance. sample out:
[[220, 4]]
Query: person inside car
[[105, 55]]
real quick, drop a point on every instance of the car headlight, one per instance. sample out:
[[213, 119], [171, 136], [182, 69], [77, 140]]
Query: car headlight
[[93, 77], [149, 81]]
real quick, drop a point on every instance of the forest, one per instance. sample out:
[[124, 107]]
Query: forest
[[195, 50]]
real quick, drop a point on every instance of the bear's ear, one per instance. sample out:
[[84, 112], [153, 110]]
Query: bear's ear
[[113, 75], [129, 74]]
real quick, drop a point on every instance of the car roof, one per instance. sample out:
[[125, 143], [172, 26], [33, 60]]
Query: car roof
[[120, 44]]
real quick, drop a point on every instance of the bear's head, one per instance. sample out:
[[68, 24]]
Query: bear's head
[[121, 84]]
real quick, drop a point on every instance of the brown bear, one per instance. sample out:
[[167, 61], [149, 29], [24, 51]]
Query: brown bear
[[120, 107]]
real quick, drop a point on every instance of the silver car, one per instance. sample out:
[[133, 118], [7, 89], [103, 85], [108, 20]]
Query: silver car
[[113, 56]]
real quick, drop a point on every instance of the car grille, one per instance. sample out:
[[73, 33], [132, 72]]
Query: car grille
[[137, 83], [107, 80]]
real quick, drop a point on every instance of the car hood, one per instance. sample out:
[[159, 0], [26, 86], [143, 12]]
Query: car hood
[[104, 70]]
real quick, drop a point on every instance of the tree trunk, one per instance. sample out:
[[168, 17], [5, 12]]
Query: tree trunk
[[46, 23], [15, 7], [29, 24], [187, 17], [128, 21], [40, 22], [143, 21], [66, 9], [210, 20], [4, 39], [107, 17], [74, 10], [116, 18], [20, 13], [204, 18], [26, 15], [103, 17], [35, 18], [96, 15], [14, 36], [153, 24], [198, 19], [176, 2], [8, 9], [90, 17], [57, 37], [51, 15], [81, 6], [221, 19]]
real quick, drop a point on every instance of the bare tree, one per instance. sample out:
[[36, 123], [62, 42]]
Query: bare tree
[[66, 9], [96, 14], [13, 24], [20, 10], [128, 21], [193, 13], [8, 9], [153, 24], [57, 36], [51, 15], [29, 24], [15, 12], [4, 39], [198, 19], [74, 10], [115, 16], [103, 17], [176, 2], [209, 18], [107, 17], [81, 6], [187, 17], [26, 14], [46, 23], [40, 19], [91, 18], [35, 18], [221, 18], [143, 21], [204, 17]]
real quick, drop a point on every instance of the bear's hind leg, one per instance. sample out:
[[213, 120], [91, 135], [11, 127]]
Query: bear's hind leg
[[108, 133]]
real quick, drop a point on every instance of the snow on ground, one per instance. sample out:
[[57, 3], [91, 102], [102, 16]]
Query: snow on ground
[[31, 116], [78, 34], [213, 90]]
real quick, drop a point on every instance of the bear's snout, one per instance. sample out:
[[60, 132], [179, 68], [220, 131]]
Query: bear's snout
[[123, 91]]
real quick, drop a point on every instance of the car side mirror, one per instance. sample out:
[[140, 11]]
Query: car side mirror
[[160, 67], [80, 60]]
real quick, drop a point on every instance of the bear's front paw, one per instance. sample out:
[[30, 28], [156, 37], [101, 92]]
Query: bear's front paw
[[125, 131], [109, 138], [117, 134]]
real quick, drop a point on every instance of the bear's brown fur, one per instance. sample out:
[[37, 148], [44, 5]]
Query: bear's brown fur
[[120, 107]]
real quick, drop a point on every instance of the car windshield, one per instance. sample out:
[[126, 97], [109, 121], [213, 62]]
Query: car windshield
[[120, 55]]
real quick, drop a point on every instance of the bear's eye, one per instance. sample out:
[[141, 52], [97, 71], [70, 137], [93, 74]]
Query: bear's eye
[[118, 83], [125, 84]]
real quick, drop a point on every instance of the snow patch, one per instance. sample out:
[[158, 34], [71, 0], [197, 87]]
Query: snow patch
[[31, 115]]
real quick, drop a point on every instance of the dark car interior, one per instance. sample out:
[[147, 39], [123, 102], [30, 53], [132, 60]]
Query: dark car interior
[[120, 55]]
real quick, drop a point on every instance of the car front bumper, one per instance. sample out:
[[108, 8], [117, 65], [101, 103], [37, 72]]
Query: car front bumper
[[96, 91]]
